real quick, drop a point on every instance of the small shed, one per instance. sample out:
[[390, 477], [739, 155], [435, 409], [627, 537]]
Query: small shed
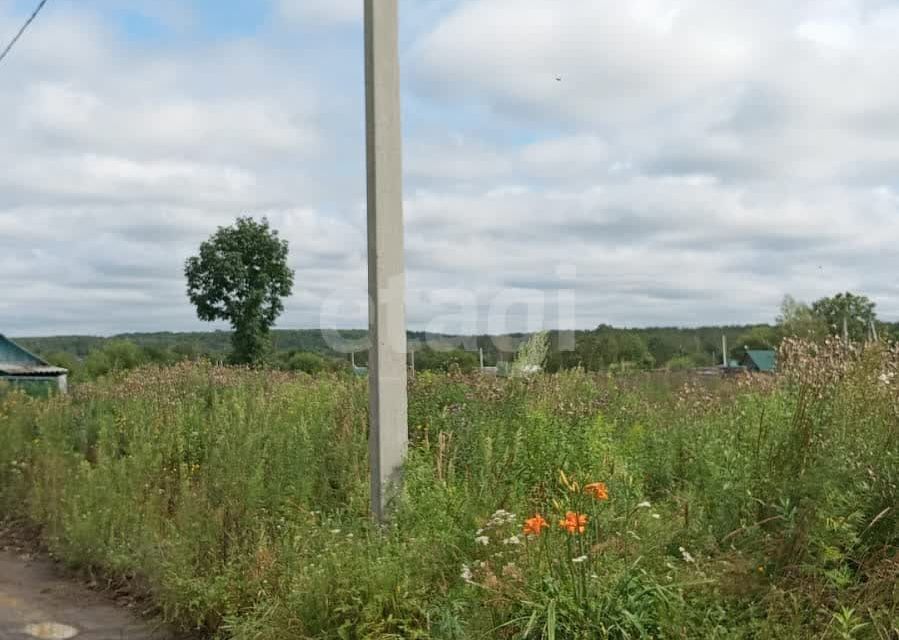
[[20, 367], [760, 361]]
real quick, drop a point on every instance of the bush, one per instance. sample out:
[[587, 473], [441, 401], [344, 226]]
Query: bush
[[310, 363]]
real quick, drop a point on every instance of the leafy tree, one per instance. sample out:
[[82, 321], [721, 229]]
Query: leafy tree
[[158, 355], [889, 331], [66, 361], [97, 364], [797, 320], [123, 354], [241, 276], [607, 349], [587, 352], [661, 349], [115, 355], [632, 348], [857, 312], [761, 337]]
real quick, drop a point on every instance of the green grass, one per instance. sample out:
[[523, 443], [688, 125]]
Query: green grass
[[737, 509]]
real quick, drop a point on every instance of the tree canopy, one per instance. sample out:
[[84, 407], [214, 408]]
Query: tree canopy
[[761, 337], [241, 275], [797, 320], [856, 311]]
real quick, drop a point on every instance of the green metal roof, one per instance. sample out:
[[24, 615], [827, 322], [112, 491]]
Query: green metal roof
[[764, 360], [11, 353]]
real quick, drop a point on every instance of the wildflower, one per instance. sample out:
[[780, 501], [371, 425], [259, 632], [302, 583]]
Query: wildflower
[[598, 490], [574, 522], [484, 540], [335, 531], [656, 516], [500, 517], [644, 505], [466, 574], [686, 555], [533, 526], [579, 559], [512, 540]]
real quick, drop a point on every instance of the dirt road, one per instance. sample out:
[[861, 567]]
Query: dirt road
[[35, 602]]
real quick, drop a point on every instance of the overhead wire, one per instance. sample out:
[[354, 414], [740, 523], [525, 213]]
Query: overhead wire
[[18, 35]]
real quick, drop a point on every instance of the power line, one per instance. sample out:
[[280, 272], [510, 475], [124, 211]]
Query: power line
[[22, 30]]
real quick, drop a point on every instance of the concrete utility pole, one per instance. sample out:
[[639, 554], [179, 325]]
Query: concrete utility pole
[[388, 437], [724, 358]]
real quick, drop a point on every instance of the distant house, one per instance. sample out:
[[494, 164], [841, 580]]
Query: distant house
[[21, 367], [759, 361]]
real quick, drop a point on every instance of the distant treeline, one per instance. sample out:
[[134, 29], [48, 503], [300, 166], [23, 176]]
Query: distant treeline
[[310, 350]]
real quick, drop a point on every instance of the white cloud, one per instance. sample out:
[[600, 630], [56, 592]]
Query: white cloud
[[612, 57], [321, 12], [693, 161], [728, 86]]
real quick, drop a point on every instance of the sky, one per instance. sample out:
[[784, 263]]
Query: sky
[[567, 162]]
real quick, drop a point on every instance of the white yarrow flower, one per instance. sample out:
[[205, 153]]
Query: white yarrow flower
[[484, 540], [644, 505], [512, 540], [579, 559], [501, 517], [686, 555]]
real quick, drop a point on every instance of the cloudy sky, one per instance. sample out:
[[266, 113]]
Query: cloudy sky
[[660, 161]]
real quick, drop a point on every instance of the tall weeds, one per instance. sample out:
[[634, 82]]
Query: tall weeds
[[745, 508]]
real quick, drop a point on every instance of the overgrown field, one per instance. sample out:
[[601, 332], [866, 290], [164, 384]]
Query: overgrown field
[[565, 506]]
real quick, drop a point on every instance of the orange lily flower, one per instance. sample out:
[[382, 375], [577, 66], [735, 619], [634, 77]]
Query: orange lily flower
[[574, 522], [534, 525], [598, 490]]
